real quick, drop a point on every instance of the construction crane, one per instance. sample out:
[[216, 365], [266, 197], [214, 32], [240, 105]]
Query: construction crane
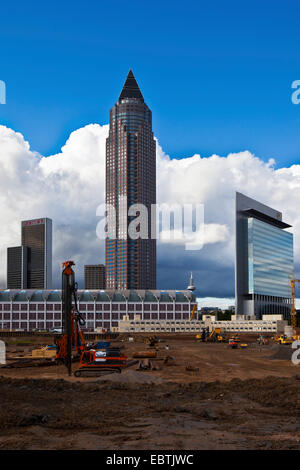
[[293, 307], [193, 312]]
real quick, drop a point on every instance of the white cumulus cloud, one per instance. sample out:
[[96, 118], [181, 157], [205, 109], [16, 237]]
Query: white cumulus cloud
[[69, 186]]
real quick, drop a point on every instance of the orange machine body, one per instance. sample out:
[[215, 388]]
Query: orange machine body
[[103, 359]]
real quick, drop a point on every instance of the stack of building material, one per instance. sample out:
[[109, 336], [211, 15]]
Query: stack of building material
[[144, 354], [43, 352]]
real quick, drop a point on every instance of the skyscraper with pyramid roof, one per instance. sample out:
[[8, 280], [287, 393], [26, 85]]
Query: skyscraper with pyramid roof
[[130, 179]]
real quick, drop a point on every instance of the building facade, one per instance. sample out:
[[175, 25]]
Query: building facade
[[17, 261], [264, 260], [37, 236], [130, 180], [266, 325], [42, 309], [94, 276]]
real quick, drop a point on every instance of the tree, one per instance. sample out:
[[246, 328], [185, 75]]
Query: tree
[[226, 315]]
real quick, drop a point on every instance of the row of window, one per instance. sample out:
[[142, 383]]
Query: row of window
[[28, 326], [90, 316], [99, 307]]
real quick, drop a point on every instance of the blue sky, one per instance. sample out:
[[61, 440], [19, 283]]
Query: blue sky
[[217, 75]]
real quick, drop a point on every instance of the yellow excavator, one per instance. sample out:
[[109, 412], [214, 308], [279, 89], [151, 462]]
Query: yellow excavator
[[214, 336], [283, 339]]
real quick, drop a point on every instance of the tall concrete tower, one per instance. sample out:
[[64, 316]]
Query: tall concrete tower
[[130, 179], [191, 286]]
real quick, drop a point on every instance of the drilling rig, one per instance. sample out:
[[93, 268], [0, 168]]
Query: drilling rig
[[93, 362], [72, 320]]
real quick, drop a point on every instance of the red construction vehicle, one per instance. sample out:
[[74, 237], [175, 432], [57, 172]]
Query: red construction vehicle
[[234, 341], [98, 362]]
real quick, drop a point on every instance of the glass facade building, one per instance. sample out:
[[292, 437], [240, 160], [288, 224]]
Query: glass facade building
[[94, 276], [270, 259], [264, 260]]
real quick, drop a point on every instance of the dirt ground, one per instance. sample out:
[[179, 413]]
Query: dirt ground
[[239, 399]]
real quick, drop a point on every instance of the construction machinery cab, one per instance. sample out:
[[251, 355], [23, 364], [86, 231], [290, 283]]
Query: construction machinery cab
[[152, 341], [283, 339], [216, 336], [204, 334], [86, 357]]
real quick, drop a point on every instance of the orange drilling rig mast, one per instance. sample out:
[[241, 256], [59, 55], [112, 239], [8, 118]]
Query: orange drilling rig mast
[[72, 337]]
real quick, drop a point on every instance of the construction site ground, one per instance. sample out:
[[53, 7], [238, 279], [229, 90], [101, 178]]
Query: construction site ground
[[237, 399]]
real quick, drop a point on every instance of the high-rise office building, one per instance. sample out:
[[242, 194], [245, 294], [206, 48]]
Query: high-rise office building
[[264, 263], [130, 179], [17, 258], [94, 276], [37, 236]]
